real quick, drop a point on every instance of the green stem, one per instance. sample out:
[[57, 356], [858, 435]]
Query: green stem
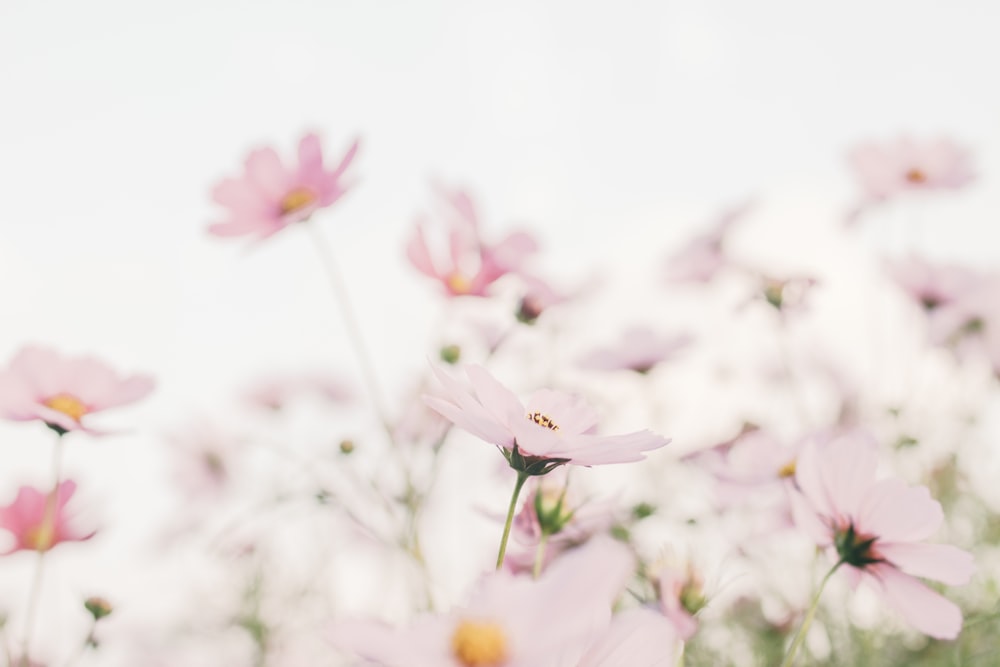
[[801, 635], [521, 479], [543, 542]]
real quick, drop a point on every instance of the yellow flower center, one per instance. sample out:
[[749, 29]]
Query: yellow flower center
[[916, 176], [43, 536], [787, 470], [297, 199], [458, 283], [477, 644], [70, 406], [543, 420]]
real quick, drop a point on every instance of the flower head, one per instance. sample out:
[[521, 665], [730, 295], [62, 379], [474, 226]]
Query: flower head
[[907, 165], [639, 349], [702, 257], [38, 520], [551, 429], [269, 196], [876, 529], [42, 384], [509, 620]]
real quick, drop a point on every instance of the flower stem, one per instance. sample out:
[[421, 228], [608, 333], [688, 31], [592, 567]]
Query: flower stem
[[521, 479], [807, 621], [543, 542]]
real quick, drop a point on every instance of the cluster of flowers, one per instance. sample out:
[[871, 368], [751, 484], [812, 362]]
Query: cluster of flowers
[[577, 587]]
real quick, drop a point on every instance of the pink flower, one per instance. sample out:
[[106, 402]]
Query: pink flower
[[702, 257], [680, 592], [270, 196], [472, 265], [635, 638], [276, 391], [552, 429], [38, 521], [41, 384], [905, 165], [876, 529], [933, 285], [639, 350], [509, 620]]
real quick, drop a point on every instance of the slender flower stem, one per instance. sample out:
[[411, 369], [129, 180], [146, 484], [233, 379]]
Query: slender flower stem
[[801, 635], [351, 322], [48, 524], [521, 479], [543, 542]]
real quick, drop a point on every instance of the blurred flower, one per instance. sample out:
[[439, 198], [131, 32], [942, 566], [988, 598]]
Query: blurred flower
[[509, 620], [932, 285], [906, 165], [38, 520], [680, 591], [639, 349], [702, 257], [98, 607], [538, 296], [876, 529], [204, 459], [270, 196], [552, 429], [275, 392], [41, 384], [635, 638], [472, 265], [786, 294]]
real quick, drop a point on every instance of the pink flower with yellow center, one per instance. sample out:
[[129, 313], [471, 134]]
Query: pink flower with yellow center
[[38, 521], [509, 621], [472, 265], [876, 530], [907, 165], [269, 195], [551, 429], [42, 384]]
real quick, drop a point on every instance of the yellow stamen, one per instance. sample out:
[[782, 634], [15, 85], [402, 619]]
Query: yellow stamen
[[70, 406], [41, 537], [543, 420], [787, 470], [916, 176], [297, 199], [458, 283], [478, 644]]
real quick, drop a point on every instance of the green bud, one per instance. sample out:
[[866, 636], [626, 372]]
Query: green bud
[[98, 607], [450, 354]]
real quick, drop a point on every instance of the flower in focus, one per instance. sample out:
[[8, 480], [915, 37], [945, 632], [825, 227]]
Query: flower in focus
[[42, 384], [270, 195], [509, 620], [472, 265], [702, 257], [553, 428], [877, 528], [38, 521], [906, 165], [639, 349]]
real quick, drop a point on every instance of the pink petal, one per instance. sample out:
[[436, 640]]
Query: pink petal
[[499, 401], [896, 512], [268, 175], [240, 197], [589, 449], [419, 254], [849, 467], [346, 161], [940, 562], [310, 155], [635, 638], [923, 608]]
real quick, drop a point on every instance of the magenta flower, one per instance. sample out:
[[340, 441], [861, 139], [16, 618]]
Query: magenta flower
[[553, 428], [876, 529], [270, 196], [42, 384], [38, 521], [472, 265], [905, 165], [639, 349], [509, 620]]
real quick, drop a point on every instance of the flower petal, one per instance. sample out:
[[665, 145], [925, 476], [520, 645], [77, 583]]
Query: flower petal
[[941, 562], [926, 610]]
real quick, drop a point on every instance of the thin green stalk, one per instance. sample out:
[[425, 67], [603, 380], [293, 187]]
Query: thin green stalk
[[543, 542], [521, 479], [801, 635]]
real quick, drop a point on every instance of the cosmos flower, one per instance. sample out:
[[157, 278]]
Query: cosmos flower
[[876, 530], [553, 428], [680, 593], [42, 384], [38, 521], [932, 285], [639, 349], [508, 620], [270, 195], [702, 257], [904, 165], [472, 265]]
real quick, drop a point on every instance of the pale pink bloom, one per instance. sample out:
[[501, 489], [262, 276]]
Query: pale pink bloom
[[204, 459], [639, 349], [635, 638], [876, 529], [270, 195], [680, 593], [908, 165], [38, 521], [277, 391], [551, 429], [538, 296], [42, 384], [471, 265], [702, 257], [508, 620], [754, 463], [553, 505], [933, 285]]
